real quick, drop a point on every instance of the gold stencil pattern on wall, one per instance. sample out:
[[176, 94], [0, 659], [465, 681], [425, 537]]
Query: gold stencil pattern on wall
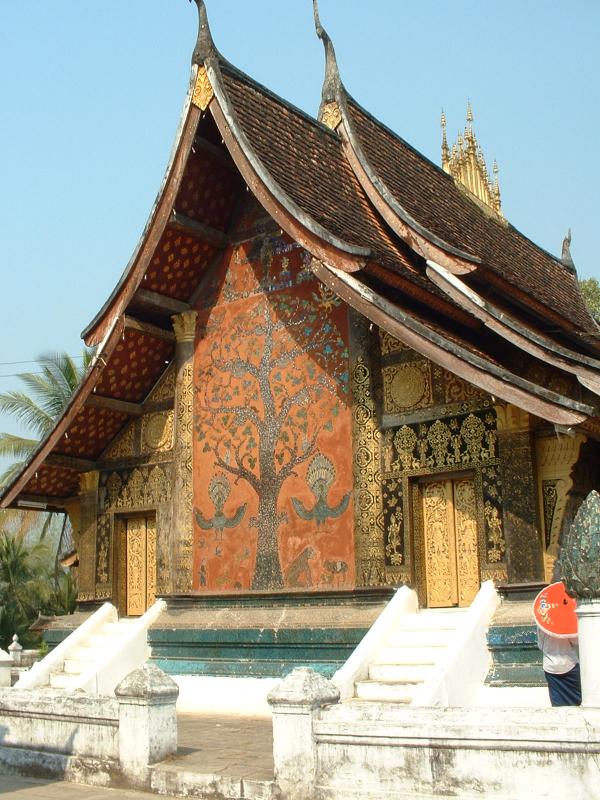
[[389, 344], [184, 480], [367, 505], [407, 386], [123, 447], [142, 487], [165, 389]]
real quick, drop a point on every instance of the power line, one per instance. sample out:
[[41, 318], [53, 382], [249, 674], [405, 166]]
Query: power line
[[31, 361]]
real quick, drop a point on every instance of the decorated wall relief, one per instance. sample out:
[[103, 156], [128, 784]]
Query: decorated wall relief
[[412, 420], [145, 488], [272, 461]]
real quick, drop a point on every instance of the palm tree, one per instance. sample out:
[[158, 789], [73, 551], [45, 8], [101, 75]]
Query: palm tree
[[24, 587], [49, 391]]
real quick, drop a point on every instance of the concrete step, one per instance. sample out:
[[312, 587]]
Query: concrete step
[[73, 666], [100, 641], [432, 620], [120, 628], [386, 692], [420, 638], [393, 673], [60, 680], [409, 655], [83, 653]]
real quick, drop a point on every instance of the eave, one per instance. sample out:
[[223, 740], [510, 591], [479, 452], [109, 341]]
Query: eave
[[160, 217], [586, 369], [499, 382]]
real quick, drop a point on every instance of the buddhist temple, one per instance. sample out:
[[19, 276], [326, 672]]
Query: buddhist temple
[[330, 368]]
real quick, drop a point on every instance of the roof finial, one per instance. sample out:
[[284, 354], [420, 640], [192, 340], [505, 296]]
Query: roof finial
[[205, 46], [566, 258], [332, 82], [445, 148]]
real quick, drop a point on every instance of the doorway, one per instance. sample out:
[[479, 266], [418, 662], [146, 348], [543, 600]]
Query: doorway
[[450, 541], [137, 567]]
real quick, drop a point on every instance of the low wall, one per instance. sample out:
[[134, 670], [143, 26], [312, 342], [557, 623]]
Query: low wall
[[49, 720], [46, 732], [326, 750], [501, 753]]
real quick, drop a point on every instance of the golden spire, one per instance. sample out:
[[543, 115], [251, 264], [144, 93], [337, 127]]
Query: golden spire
[[466, 163], [445, 148]]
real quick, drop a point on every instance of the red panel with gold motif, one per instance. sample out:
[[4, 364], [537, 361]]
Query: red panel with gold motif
[[207, 192], [90, 432], [177, 264], [53, 482], [134, 367]]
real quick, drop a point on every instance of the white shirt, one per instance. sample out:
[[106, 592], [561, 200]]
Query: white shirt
[[560, 655]]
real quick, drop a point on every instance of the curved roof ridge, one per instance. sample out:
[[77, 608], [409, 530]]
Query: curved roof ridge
[[504, 222], [334, 93]]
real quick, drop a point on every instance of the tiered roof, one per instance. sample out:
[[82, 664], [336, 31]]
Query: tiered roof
[[395, 236]]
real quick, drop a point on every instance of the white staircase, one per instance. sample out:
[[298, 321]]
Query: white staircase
[[429, 657], [410, 655], [97, 655]]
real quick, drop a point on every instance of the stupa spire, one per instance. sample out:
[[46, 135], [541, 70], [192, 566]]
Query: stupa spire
[[466, 163]]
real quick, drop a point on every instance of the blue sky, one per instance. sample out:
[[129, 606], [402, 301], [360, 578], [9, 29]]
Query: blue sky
[[92, 93]]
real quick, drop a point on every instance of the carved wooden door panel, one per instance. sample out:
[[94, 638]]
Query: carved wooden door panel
[[140, 564], [450, 542]]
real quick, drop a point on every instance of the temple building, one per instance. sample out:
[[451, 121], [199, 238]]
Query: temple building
[[331, 367]]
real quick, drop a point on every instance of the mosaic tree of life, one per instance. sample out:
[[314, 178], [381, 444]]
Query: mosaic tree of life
[[273, 378]]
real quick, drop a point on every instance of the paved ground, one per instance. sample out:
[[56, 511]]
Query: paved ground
[[14, 788], [234, 746]]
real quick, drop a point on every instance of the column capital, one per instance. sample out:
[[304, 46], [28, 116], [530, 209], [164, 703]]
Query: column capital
[[88, 481], [184, 325]]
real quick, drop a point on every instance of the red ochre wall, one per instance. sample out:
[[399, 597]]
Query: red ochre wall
[[272, 427]]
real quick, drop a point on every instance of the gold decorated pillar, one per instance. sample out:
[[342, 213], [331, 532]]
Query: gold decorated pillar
[[519, 496], [184, 325], [555, 458], [86, 544]]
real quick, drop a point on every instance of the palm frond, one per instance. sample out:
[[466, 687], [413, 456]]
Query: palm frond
[[26, 411], [14, 446]]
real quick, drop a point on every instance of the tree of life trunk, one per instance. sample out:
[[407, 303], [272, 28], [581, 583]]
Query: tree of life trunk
[[268, 384]]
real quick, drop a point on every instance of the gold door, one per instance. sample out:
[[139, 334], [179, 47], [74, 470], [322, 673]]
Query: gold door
[[139, 534], [450, 542]]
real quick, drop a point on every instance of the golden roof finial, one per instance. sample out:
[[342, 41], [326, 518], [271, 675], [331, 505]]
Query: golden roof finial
[[445, 148], [466, 163]]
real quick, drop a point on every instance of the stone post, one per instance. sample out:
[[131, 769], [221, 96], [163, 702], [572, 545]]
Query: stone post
[[6, 665], [184, 325], [16, 651], [588, 618], [295, 701], [519, 496], [147, 721]]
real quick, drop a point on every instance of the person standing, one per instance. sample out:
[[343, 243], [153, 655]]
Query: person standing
[[561, 668]]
